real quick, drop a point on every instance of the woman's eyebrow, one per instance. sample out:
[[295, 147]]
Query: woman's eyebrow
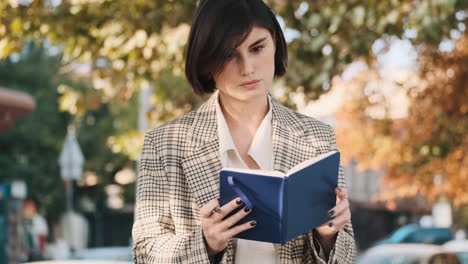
[[257, 42]]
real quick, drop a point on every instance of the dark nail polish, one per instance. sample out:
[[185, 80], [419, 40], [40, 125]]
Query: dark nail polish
[[253, 223], [330, 224], [331, 213], [239, 201], [246, 209]]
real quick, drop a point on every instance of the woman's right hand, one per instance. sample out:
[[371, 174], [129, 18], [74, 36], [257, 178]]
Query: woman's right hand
[[217, 231]]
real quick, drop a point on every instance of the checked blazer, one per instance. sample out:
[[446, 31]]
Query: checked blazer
[[179, 173]]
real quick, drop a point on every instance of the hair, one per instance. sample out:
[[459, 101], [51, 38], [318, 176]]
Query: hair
[[218, 28]]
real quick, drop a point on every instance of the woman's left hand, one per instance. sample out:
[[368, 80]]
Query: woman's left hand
[[340, 216]]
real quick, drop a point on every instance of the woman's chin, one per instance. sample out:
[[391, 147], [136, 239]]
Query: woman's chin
[[251, 94]]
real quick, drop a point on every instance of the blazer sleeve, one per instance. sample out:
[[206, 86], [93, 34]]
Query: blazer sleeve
[[155, 239], [344, 251]]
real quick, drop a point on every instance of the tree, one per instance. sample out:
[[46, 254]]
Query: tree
[[33, 155], [131, 41], [31, 149], [432, 139]]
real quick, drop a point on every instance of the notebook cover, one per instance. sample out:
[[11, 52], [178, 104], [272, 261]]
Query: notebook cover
[[310, 195], [264, 192]]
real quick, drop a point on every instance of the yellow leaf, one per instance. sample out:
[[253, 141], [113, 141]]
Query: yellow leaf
[[5, 48], [16, 26], [357, 18]]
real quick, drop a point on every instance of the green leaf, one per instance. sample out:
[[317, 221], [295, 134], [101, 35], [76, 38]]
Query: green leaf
[[317, 43], [392, 17]]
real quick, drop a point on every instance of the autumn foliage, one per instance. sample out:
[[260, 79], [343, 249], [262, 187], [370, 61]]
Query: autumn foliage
[[430, 140]]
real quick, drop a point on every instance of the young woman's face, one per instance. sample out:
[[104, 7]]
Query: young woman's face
[[249, 72]]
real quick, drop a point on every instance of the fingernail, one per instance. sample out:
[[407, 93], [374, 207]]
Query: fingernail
[[253, 223], [246, 209], [331, 213], [239, 201], [330, 224], [339, 189]]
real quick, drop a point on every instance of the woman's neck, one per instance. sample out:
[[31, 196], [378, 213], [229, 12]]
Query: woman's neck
[[247, 114]]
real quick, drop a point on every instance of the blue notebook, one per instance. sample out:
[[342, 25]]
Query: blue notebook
[[285, 206]]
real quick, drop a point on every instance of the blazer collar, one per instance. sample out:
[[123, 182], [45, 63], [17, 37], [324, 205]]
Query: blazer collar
[[204, 126]]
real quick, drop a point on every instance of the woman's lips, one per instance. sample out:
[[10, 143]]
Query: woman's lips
[[250, 84]]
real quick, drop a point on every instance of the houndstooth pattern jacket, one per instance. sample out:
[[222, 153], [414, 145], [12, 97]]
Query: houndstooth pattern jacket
[[179, 169]]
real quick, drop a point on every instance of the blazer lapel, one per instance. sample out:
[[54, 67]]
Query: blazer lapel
[[201, 167], [290, 148]]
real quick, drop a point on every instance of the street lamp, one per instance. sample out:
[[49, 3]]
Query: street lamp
[[75, 229], [71, 165], [441, 209]]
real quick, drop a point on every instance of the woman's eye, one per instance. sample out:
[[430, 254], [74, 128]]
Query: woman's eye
[[257, 49]]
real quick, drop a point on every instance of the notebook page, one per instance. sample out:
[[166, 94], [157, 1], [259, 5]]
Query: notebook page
[[259, 172], [308, 162]]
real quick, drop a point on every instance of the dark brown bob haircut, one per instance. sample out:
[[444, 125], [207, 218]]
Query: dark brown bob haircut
[[218, 28]]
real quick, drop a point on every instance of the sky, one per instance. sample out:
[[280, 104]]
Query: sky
[[398, 62]]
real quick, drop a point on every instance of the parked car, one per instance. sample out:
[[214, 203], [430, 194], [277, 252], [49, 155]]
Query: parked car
[[105, 253], [101, 255], [408, 254], [78, 262], [460, 247], [416, 234]]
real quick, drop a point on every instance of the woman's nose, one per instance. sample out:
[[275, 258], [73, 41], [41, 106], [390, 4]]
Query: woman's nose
[[247, 66]]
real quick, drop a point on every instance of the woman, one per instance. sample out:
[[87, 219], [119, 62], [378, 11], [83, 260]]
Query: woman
[[235, 49]]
